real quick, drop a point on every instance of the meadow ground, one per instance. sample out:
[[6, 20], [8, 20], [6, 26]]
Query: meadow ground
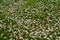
[[29, 20]]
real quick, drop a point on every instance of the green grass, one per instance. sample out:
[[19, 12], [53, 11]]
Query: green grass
[[29, 19]]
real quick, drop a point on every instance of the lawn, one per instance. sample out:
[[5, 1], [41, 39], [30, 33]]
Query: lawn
[[29, 19]]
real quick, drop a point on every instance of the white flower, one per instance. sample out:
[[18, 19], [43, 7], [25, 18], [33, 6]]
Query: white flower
[[5, 37], [1, 25]]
